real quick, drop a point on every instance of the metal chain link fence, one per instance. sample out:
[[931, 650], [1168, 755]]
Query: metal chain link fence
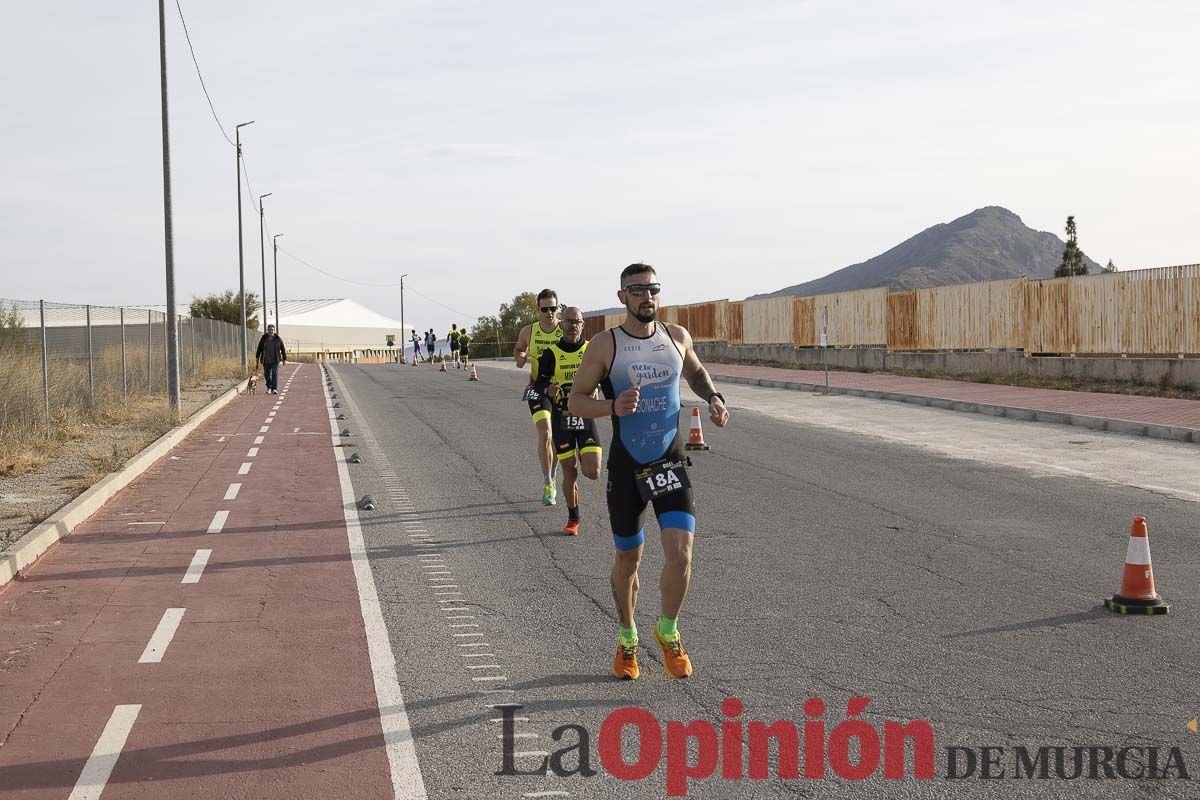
[[58, 357]]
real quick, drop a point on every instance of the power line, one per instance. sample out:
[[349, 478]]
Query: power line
[[407, 285], [199, 75]]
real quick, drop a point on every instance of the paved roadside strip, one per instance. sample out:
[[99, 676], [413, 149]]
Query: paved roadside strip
[[193, 639], [1158, 417]]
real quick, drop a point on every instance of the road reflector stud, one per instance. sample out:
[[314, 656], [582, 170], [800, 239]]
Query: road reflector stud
[[345, 431], [367, 503], [355, 459]]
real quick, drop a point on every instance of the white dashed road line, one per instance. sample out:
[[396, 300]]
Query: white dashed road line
[[196, 568], [218, 522], [244, 469], [162, 636], [232, 492], [100, 763]]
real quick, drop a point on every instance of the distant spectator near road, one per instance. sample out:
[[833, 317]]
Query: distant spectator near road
[[271, 353]]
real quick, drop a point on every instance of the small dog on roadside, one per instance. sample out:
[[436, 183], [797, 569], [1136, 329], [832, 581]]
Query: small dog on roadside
[[252, 385]]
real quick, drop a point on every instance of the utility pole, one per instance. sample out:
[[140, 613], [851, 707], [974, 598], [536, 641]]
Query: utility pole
[[403, 331], [275, 255], [172, 333], [237, 134], [262, 254]]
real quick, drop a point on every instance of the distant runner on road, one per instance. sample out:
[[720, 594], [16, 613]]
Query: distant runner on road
[[464, 347], [416, 346], [531, 341], [452, 340], [573, 435], [638, 365]]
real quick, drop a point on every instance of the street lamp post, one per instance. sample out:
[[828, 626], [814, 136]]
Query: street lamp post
[[262, 254], [403, 331], [275, 257], [172, 339], [237, 133]]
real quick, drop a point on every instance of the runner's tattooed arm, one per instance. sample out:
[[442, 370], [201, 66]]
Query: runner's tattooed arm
[[698, 378]]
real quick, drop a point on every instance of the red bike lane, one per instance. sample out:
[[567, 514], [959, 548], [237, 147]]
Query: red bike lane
[[134, 664]]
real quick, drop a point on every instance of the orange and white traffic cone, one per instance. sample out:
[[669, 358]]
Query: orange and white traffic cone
[[1137, 595], [474, 375], [695, 434]]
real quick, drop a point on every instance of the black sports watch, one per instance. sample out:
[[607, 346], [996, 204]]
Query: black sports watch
[[716, 394]]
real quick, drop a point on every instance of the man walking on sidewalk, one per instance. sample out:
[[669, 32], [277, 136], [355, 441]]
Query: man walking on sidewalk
[[271, 353]]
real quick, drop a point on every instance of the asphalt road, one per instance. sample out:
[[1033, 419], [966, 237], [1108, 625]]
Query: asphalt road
[[828, 564]]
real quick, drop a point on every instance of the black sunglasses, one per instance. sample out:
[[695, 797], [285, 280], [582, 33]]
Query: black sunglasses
[[572, 322], [641, 289], [548, 309]]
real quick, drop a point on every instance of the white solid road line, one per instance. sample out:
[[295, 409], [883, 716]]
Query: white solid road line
[[244, 469], [218, 522], [100, 763], [393, 717], [232, 492], [196, 568], [162, 636]]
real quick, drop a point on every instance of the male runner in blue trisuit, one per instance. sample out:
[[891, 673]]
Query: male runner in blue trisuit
[[638, 365]]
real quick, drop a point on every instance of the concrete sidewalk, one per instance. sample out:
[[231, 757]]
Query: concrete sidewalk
[[201, 634], [1159, 417]]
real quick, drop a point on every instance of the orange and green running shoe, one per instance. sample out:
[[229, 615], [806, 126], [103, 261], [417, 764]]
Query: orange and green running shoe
[[625, 665], [675, 660], [571, 528]]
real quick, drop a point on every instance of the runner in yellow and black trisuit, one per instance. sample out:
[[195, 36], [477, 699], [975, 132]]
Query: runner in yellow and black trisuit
[[464, 348], [531, 341], [452, 340], [572, 435]]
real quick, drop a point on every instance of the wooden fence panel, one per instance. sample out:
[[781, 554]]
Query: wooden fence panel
[[592, 326], [1142, 312], [805, 325], [735, 322], [972, 316], [767, 321], [902, 321], [856, 319]]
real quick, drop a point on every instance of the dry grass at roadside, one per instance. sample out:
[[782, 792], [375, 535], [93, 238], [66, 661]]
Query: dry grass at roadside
[[25, 444]]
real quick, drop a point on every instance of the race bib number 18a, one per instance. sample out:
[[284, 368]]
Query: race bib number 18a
[[662, 478]]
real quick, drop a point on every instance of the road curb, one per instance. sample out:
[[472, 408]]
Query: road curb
[[1151, 429], [26, 550]]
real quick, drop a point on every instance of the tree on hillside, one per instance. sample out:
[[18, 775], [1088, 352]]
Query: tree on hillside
[[226, 307], [1072, 257], [1110, 266]]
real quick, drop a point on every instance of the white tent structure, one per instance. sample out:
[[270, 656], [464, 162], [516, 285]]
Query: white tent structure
[[335, 325]]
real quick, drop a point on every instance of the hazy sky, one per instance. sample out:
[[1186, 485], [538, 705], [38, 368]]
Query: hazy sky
[[488, 148]]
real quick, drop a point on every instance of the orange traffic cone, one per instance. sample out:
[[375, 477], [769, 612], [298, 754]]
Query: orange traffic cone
[[1137, 595], [695, 434], [474, 375]]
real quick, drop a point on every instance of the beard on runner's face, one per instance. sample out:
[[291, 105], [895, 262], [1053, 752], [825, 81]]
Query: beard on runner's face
[[643, 309]]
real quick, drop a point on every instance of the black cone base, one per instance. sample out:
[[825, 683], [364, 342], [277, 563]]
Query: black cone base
[[1122, 605]]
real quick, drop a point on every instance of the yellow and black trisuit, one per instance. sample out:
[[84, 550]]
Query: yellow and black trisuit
[[539, 340], [464, 346], [558, 364]]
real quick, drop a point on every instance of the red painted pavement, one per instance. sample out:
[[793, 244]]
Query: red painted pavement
[[265, 690], [1157, 410]]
